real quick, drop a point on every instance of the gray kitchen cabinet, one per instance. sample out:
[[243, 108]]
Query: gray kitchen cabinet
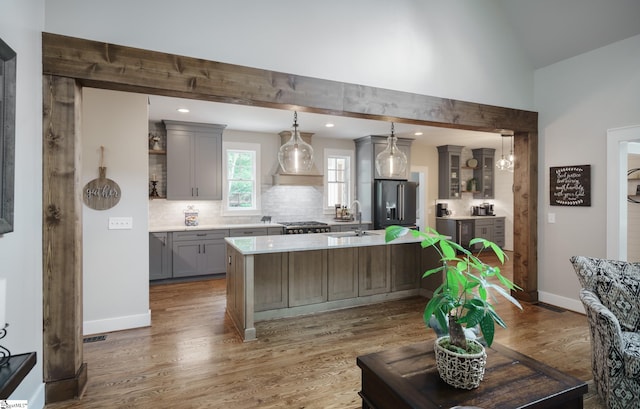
[[198, 253], [307, 277], [248, 232], [159, 256], [499, 231], [449, 166], [350, 227], [484, 173], [447, 227], [194, 160], [255, 231], [373, 270], [490, 228], [342, 273]]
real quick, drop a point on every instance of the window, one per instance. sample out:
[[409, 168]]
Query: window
[[242, 190], [338, 180]]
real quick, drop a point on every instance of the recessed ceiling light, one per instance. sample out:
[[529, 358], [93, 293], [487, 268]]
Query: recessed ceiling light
[[418, 133], [329, 125], [183, 110]]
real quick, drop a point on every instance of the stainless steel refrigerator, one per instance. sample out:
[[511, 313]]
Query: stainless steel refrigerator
[[394, 203]]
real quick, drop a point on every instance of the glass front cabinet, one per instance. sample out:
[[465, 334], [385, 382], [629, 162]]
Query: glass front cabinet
[[449, 178], [484, 173]]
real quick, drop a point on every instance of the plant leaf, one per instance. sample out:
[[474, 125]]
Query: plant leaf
[[488, 329]]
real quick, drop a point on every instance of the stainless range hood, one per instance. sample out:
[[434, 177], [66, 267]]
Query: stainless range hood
[[309, 178]]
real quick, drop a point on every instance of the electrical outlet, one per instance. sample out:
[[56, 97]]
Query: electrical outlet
[[120, 223]]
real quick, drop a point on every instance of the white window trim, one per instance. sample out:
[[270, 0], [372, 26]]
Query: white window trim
[[352, 170], [227, 211]]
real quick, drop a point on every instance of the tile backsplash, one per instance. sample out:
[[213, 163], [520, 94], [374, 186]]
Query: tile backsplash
[[282, 203]]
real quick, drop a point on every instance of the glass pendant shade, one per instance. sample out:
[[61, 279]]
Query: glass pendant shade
[[391, 162], [296, 156], [504, 164], [511, 158]]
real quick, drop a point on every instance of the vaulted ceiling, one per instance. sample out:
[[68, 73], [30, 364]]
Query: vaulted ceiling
[[548, 30]]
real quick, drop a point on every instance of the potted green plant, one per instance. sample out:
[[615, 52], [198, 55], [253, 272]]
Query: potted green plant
[[463, 300]]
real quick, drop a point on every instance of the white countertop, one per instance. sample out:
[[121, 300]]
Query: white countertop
[[316, 241], [182, 227], [468, 217]]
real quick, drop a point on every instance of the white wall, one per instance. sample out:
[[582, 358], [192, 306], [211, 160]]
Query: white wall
[[578, 100], [21, 251], [461, 50], [116, 262]]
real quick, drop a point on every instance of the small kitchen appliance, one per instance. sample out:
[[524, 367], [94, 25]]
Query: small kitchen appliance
[[305, 227], [442, 210]]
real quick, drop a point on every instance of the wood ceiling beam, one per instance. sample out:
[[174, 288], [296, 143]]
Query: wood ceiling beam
[[103, 65]]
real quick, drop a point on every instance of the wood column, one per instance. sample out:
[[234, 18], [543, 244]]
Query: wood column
[[525, 215], [65, 374]]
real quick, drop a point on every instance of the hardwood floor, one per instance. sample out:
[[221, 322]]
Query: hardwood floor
[[191, 356]]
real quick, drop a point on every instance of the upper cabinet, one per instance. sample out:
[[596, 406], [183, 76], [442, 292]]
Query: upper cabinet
[[194, 160], [484, 173], [449, 178]]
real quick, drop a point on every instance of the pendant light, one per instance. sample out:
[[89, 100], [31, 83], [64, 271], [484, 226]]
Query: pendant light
[[391, 162], [295, 156], [503, 164]]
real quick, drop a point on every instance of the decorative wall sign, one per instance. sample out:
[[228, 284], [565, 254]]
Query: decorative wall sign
[[101, 193], [570, 185]]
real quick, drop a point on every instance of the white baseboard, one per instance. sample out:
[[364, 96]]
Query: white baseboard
[[37, 399], [559, 301], [116, 324]]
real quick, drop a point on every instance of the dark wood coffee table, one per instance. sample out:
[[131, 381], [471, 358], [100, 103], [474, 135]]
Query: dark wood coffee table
[[407, 378]]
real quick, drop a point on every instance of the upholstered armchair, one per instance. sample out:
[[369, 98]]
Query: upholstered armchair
[[611, 297]]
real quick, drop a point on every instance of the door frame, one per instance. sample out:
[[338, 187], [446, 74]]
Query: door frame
[[71, 63]]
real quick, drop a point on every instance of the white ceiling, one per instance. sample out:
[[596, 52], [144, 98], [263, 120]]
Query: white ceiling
[[549, 31]]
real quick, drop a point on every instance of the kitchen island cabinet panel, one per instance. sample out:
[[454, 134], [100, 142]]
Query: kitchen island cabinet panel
[[405, 262], [240, 297], [307, 277], [322, 271], [342, 274], [272, 284], [373, 270]]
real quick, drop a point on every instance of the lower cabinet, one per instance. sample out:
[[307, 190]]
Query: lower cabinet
[[159, 256], [405, 262], [491, 229], [307, 277], [271, 288], [373, 270], [342, 275], [186, 254]]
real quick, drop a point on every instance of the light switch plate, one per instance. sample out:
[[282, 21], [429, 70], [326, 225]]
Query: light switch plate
[[120, 223], [551, 217]]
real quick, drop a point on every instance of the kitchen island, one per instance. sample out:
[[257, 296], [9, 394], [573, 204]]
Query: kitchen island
[[272, 277]]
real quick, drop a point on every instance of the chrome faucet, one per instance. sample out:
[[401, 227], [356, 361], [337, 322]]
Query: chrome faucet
[[359, 232]]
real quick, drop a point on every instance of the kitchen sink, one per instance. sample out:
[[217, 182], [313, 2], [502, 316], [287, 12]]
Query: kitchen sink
[[352, 234]]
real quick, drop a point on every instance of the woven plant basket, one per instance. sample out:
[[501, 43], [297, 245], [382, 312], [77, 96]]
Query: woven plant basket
[[464, 371]]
